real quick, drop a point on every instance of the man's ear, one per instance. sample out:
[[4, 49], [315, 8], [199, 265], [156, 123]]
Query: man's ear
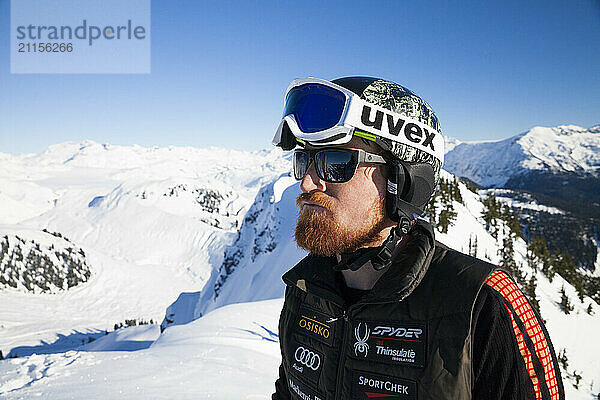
[[370, 171]]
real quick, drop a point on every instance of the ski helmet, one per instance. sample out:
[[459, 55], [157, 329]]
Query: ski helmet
[[321, 113]]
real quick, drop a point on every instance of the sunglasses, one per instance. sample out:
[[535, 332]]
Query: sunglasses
[[332, 165]]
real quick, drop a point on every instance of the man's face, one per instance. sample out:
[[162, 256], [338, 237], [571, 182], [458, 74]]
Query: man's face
[[342, 217]]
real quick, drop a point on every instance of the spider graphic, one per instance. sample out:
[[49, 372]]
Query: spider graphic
[[361, 345]]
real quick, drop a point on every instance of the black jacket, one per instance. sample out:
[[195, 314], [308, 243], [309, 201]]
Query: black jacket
[[410, 337]]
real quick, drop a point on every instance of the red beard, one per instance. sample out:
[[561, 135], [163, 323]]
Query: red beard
[[320, 232]]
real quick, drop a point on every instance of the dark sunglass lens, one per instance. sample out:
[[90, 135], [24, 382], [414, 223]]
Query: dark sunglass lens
[[300, 164], [336, 166]]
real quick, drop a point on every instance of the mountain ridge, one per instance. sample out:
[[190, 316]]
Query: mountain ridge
[[564, 148]]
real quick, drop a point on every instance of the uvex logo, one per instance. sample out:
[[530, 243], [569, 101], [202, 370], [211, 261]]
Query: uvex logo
[[398, 332], [412, 131]]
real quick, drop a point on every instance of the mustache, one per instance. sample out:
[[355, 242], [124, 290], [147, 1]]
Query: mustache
[[318, 198]]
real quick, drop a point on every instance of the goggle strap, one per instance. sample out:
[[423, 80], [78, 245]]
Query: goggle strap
[[330, 139]]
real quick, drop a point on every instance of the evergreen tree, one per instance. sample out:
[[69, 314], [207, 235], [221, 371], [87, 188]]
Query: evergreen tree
[[577, 378], [507, 258], [565, 267], [470, 245], [529, 291], [18, 255], [447, 217], [507, 261], [470, 185], [430, 208], [531, 259], [511, 221], [4, 248], [491, 213], [456, 190], [565, 302], [537, 246], [592, 287], [562, 359]]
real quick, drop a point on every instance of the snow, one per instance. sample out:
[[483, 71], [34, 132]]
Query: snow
[[504, 196], [143, 252], [231, 353], [258, 275], [576, 337], [125, 339], [116, 291], [450, 143], [158, 226], [566, 148]]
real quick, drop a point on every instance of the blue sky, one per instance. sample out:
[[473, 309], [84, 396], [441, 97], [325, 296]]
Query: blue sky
[[490, 69]]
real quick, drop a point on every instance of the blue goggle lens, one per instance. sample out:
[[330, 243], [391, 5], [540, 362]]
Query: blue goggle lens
[[316, 107]]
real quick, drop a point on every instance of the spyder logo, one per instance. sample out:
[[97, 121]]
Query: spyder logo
[[361, 345]]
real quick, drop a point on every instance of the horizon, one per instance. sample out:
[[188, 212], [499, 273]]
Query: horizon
[[267, 147]]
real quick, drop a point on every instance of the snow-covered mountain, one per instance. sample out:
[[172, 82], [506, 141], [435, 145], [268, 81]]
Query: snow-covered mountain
[[152, 223], [556, 168], [196, 231], [46, 264], [561, 149]]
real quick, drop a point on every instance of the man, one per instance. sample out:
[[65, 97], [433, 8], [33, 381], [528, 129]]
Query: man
[[379, 309]]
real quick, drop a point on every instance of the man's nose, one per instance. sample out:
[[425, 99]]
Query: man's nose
[[311, 181]]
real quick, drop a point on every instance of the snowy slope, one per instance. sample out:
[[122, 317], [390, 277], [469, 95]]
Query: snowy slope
[[253, 264], [152, 222], [561, 149], [214, 224], [231, 353]]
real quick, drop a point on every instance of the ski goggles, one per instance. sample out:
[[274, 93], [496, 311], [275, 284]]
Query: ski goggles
[[332, 165], [323, 114]]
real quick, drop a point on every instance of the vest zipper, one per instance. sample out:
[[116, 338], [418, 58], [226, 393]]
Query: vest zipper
[[338, 386]]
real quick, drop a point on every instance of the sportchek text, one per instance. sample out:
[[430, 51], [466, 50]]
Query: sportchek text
[[385, 385]]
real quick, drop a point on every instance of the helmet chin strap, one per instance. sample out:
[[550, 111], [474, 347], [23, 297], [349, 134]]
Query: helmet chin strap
[[381, 256]]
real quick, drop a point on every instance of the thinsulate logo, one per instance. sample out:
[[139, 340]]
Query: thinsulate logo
[[314, 326]]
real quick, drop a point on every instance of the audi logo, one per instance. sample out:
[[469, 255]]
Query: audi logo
[[308, 358]]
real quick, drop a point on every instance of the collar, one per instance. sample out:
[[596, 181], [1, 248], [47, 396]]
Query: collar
[[315, 274]]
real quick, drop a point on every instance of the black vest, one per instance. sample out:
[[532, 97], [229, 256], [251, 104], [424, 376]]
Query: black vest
[[408, 338]]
